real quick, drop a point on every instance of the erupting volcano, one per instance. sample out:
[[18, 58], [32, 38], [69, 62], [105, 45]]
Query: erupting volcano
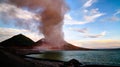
[[50, 15]]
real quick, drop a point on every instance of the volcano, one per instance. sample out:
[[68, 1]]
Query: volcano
[[22, 42], [43, 45], [17, 40]]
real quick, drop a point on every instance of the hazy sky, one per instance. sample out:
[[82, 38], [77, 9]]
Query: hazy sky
[[88, 23]]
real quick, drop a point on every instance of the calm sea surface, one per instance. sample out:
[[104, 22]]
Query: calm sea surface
[[111, 57]]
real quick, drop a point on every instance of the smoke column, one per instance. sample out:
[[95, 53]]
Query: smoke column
[[51, 15]]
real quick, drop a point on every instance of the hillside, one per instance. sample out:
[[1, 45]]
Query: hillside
[[17, 40]]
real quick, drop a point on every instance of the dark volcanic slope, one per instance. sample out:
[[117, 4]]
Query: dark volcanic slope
[[18, 40], [72, 47], [66, 46]]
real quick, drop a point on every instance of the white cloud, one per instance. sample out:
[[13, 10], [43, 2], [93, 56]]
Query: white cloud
[[94, 11], [92, 18], [92, 15], [113, 18], [85, 11], [72, 22], [88, 17], [68, 17], [69, 20], [88, 3], [15, 12], [83, 30], [118, 12], [86, 34], [11, 14], [95, 35], [6, 33]]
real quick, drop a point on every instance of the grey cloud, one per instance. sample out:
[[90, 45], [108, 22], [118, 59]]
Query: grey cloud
[[83, 30], [95, 35]]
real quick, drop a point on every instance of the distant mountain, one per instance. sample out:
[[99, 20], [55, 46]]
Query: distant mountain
[[108, 49], [17, 40]]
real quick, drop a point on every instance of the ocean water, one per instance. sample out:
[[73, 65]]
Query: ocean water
[[104, 57]]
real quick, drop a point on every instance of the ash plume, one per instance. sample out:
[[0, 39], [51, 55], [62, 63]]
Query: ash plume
[[51, 15]]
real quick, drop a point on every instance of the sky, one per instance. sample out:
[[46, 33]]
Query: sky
[[88, 23]]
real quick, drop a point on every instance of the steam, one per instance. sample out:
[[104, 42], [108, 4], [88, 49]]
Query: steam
[[51, 13]]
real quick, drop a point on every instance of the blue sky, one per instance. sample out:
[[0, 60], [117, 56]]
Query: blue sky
[[108, 19], [92, 21]]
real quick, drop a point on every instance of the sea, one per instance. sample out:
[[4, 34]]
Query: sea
[[100, 57]]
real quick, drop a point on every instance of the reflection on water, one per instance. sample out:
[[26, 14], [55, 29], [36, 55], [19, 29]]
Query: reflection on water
[[52, 55], [89, 57]]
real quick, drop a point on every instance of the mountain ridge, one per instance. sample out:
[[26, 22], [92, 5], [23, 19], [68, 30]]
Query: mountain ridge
[[17, 40], [21, 41]]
